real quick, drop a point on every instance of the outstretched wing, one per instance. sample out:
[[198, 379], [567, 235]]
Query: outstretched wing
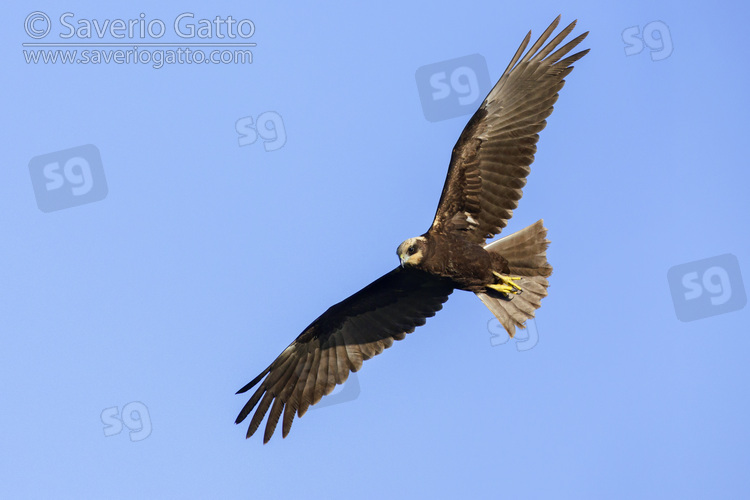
[[491, 159], [336, 343]]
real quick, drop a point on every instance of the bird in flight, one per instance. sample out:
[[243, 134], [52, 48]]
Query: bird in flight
[[488, 169]]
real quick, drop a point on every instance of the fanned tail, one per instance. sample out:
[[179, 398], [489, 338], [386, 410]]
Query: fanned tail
[[526, 253]]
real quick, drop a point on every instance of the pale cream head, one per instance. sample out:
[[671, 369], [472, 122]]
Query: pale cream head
[[411, 252]]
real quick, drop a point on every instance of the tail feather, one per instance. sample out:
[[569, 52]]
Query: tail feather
[[526, 253]]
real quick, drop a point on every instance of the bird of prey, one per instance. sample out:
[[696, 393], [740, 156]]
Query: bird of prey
[[488, 169]]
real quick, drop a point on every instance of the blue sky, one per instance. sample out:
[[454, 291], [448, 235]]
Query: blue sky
[[198, 251]]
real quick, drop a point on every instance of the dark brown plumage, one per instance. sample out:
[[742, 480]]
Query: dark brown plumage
[[487, 171]]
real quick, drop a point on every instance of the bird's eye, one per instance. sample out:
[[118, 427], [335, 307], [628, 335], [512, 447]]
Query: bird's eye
[[411, 250]]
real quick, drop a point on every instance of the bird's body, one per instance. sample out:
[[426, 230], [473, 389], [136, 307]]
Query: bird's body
[[488, 169], [466, 264]]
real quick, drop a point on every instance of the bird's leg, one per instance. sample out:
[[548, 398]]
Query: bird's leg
[[507, 284]]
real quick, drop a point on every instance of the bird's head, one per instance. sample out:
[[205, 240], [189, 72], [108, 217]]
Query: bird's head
[[412, 251]]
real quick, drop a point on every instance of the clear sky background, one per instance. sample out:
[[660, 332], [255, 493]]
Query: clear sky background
[[189, 261]]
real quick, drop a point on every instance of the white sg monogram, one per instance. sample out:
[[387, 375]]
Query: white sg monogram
[[76, 171], [715, 281]]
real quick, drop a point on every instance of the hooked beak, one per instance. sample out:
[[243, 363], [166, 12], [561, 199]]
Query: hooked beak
[[403, 260]]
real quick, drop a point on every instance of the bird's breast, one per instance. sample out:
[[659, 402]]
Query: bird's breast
[[468, 265]]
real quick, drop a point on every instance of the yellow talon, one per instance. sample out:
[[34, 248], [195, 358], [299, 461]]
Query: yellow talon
[[502, 288], [508, 285]]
